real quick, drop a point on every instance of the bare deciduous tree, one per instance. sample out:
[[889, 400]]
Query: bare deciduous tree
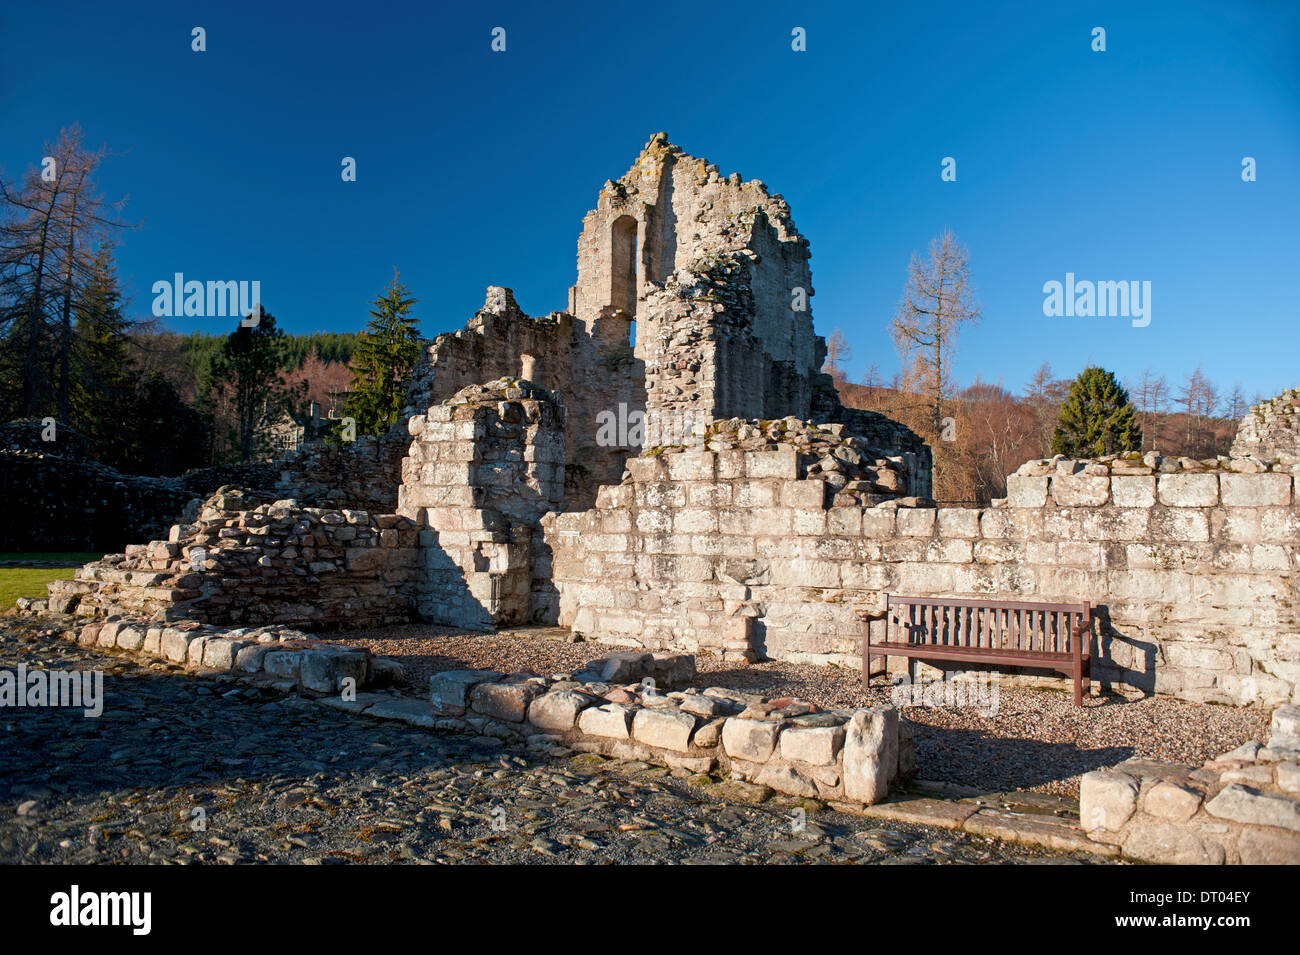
[[838, 352], [937, 301], [49, 232]]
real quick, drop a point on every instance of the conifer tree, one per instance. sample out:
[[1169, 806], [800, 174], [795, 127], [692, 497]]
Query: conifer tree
[[1097, 418], [382, 362], [102, 381]]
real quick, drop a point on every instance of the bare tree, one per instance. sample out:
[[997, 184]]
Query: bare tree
[[937, 301], [838, 351], [1151, 397], [1044, 395], [51, 229], [1236, 407]]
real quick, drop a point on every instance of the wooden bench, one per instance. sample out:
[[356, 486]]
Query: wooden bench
[[996, 632]]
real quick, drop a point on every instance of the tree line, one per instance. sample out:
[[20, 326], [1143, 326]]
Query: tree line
[[982, 432], [142, 398]]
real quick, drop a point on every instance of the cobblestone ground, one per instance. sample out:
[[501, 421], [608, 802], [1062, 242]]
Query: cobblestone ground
[[190, 769]]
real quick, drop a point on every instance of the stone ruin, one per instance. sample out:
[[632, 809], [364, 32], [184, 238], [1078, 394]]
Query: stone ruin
[[1271, 431], [664, 466]]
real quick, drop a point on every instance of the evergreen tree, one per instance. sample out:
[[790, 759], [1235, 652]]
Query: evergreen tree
[[248, 380], [384, 357], [102, 382], [1097, 418], [164, 434]]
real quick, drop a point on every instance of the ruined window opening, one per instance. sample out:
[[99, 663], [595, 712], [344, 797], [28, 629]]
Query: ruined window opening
[[631, 334], [623, 270]]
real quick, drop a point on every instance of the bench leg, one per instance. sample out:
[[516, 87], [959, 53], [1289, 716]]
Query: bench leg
[[1087, 676], [1078, 684], [866, 661]]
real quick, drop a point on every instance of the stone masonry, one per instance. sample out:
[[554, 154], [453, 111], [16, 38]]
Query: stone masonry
[[1242, 808], [744, 510]]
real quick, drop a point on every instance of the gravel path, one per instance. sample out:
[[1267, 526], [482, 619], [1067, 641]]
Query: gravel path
[[1037, 740], [184, 769]]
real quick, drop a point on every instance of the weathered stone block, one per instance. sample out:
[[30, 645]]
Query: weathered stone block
[[1172, 845], [284, 664], [507, 702], [751, 740], [324, 671], [1255, 490], [175, 645], [1188, 490], [1025, 490], [1264, 847], [870, 760], [220, 653], [1241, 804], [819, 745], [1133, 490], [612, 720], [130, 638], [1167, 800], [1080, 490], [449, 690], [1106, 800], [785, 779], [558, 710], [665, 729]]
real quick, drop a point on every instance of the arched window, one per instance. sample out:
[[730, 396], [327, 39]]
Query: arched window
[[622, 267]]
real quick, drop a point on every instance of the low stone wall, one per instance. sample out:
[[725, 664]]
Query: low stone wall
[[61, 502], [363, 474], [273, 564], [293, 660], [787, 745], [1192, 563], [1242, 808]]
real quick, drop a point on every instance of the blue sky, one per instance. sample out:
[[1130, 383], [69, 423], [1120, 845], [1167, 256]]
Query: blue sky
[[475, 167]]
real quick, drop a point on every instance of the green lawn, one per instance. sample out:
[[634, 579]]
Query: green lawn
[[68, 557], [18, 582]]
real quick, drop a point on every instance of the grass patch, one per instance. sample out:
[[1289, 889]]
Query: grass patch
[[18, 582], [63, 557]]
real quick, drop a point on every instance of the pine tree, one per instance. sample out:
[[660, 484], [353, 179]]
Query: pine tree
[[248, 379], [385, 356], [102, 381], [1097, 418]]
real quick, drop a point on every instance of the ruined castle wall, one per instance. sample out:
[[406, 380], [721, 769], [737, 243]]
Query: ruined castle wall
[[312, 568], [735, 552], [482, 470], [1270, 431]]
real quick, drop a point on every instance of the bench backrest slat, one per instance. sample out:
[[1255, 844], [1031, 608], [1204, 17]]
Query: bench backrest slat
[[986, 624]]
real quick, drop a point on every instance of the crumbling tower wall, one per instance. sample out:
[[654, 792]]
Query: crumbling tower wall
[[1270, 431], [483, 468]]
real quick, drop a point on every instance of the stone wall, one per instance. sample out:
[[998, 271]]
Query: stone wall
[[1270, 431], [273, 564], [1242, 808], [1192, 564], [67, 503], [483, 468], [363, 474], [292, 660], [792, 747]]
